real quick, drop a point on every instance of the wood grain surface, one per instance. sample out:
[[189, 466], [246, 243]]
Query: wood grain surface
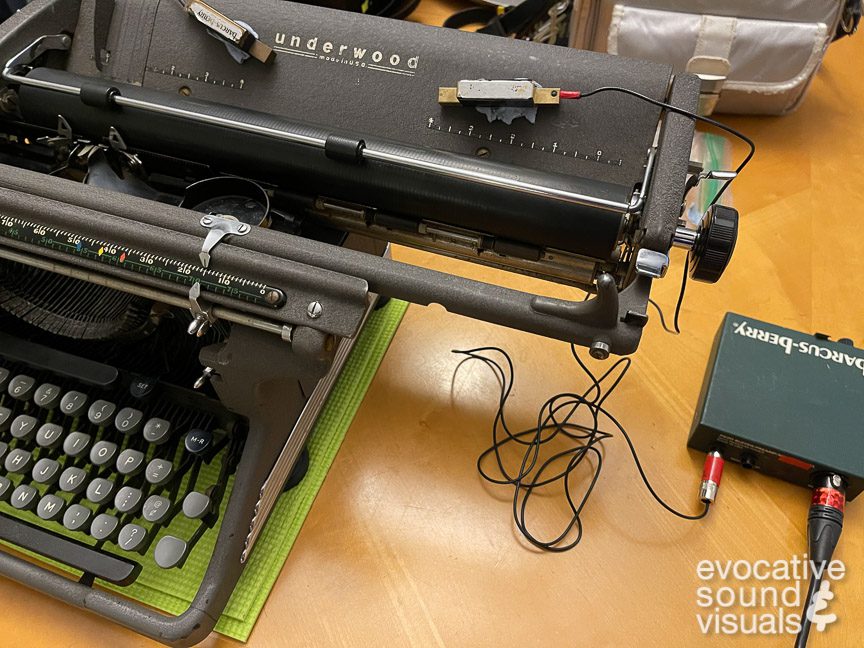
[[407, 546]]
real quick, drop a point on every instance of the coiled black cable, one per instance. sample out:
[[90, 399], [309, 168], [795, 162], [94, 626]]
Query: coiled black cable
[[555, 420]]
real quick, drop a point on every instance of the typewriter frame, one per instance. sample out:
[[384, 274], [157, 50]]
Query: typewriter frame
[[343, 282]]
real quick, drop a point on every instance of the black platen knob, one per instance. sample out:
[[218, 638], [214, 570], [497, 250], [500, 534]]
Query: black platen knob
[[714, 244]]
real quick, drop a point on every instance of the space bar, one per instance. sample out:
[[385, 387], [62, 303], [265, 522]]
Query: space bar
[[69, 552]]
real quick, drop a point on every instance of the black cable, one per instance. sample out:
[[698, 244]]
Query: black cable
[[689, 115], [804, 633], [536, 469]]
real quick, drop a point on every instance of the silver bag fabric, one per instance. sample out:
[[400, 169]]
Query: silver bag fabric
[[753, 57]]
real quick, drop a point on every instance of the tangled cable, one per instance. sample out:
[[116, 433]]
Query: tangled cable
[[555, 420]]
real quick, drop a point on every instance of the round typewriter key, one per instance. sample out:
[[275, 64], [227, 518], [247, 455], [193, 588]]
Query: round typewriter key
[[128, 499], [76, 444], [196, 505], [169, 552], [128, 420], [21, 387], [23, 427], [47, 396], [50, 507], [4, 377], [76, 517], [100, 412], [156, 430], [130, 462], [4, 448], [156, 509], [5, 488], [159, 471], [104, 526], [72, 480], [99, 490], [102, 452], [132, 537], [45, 471], [24, 497], [197, 441], [73, 403], [18, 461], [49, 435], [5, 418]]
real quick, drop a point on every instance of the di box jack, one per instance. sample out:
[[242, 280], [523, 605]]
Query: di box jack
[[784, 403]]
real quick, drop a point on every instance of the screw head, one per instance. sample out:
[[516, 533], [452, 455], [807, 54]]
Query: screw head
[[314, 310], [599, 350], [206, 220], [836, 481], [243, 229]]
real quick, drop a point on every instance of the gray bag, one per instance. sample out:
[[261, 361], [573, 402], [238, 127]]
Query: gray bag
[[752, 57]]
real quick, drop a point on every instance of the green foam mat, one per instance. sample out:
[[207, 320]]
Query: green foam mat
[[173, 590]]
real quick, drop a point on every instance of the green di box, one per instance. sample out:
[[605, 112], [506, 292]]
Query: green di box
[[784, 403]]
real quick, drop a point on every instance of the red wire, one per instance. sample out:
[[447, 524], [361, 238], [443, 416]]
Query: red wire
[[569, 94]]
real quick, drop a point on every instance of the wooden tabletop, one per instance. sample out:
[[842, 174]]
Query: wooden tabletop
[[406, 545]]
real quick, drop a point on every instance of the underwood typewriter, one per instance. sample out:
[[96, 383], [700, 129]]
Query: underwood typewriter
[[196, 203]]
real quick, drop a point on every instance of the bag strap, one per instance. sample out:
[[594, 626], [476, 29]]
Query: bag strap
[[849, 19]]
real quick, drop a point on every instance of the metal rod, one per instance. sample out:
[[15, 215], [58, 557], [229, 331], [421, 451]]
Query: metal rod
[[45, 43]]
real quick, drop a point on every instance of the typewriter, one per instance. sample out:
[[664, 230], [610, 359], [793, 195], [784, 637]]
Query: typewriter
[[196, 204]]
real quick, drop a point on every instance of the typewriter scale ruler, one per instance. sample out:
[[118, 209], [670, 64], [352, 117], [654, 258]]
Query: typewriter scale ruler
[[482, 135], [160, 267]]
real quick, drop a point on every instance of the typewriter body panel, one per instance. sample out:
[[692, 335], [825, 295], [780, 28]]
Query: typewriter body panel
[[239, 215]]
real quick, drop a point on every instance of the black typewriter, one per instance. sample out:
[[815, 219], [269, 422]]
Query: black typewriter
[[196, 203]]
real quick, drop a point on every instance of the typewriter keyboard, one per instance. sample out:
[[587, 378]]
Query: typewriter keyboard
[[99, 468]]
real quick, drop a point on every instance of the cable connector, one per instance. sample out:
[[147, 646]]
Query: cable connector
[[711, 475]]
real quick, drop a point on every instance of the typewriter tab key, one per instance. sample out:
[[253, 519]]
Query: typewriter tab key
[[73, 403], [49, 435], [196, 505], [21, 387], [132, 537], [24, 497], [50, 507], [5, 488], [128, 420], [170, 552], [76, 444], [45, 471], [76, 517], [23, 427], [99, 490], [159, 471], [156, 509], [104, 526], [72, 480], [5, 418], [47, 396], [156, 430], [18, 461], [102, 452], [128, 499], [130, 462], [100, 412]]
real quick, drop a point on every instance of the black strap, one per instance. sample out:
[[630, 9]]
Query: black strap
[[103, 11], [849, 19], [471, 16], [513, 22]]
